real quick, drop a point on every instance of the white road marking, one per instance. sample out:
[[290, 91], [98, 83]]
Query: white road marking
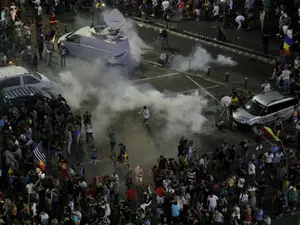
[[212, 87], [204, 77], [157, 77], [200, 86]]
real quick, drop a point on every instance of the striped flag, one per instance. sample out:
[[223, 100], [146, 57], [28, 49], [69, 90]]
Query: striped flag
[[40, 156]]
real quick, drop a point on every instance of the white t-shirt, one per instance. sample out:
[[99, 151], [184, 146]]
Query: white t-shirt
[[226, 100], [251, 168], [216, 10], [269, 157], [266, 87], [29, 188], [82, 184], [146, 113], [39, 10], [212, 201], [244, 198], [241, 182], [239, 18], [165, 5]]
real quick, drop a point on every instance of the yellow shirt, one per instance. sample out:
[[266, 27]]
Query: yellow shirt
[[234, 100], [285, 186]]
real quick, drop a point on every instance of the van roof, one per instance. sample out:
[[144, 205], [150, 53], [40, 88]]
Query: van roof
[[12, 71], [269, 97], [11, 93]]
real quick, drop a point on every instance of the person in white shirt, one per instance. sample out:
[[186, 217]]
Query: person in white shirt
[[39, 11], [216, 12], [285, 77], [239, 20], [212, 202], [251, 172], [266, 87], [243, 199], [146, 114], [269, 156]]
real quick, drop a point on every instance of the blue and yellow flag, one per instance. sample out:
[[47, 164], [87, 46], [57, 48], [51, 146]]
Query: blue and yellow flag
[[288, 42]]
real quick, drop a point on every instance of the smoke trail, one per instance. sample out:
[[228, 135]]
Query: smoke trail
[[200, 59], [137, 46], [112, 94]]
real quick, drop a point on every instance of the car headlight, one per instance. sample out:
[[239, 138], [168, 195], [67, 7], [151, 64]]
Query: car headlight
[[103, 5]]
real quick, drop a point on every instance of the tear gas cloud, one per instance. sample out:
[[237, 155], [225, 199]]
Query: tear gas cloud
[[200, 59], [115, 94]]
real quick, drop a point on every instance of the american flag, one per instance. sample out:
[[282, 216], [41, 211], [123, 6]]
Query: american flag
[[39, 153]]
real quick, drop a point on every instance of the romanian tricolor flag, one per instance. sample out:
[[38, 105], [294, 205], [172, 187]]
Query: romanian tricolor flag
[[288, 42], [268, 133]]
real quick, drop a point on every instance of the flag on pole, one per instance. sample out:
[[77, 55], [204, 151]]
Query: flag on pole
[[40, 156], [288, 42], [269, 133]]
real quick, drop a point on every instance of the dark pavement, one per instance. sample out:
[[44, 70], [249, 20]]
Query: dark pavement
[[244, 38], [144, 148]]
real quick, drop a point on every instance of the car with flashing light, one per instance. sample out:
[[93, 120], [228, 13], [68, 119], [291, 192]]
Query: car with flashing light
[[18, 76], [265, 108], [99, 42]]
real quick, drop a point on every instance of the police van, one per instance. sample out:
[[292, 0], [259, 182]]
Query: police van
[[99, 42]]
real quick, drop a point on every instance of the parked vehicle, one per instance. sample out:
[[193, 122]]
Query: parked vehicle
[[29, 97], [265, 108], [18, 76]]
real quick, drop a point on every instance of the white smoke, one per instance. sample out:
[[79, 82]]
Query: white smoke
[[200, 59], [113, 95], [137, 46]]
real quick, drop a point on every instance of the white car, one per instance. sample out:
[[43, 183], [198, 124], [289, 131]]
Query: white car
[[18, 76]]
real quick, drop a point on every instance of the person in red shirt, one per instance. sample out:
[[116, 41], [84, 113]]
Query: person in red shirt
[[130, 194]]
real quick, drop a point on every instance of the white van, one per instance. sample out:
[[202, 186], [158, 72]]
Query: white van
[[18, 76], [99, 42]]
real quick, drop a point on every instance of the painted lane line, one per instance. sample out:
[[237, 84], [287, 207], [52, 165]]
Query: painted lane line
[[200, 86], [157, 77], [189, 74], [212, 87]]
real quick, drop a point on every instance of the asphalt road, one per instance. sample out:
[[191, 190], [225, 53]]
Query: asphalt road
[[144, 148]]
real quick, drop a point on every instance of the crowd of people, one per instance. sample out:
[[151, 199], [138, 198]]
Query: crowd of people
[[39, 186]]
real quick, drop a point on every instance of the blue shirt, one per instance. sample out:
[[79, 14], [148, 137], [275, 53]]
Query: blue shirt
[[260, 215], [175, 210]]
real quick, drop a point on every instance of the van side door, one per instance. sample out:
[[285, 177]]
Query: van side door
[[270, 114], [73, 44]]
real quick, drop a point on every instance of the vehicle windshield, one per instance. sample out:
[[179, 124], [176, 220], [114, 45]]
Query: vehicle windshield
[[70, 34], [253, 107], [46, 94], [36, 75]]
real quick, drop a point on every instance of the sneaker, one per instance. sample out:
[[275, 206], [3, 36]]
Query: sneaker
[[153, 15], [260, 146], [257, 148]]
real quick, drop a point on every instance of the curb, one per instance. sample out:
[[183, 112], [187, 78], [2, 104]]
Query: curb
[[205, 40]]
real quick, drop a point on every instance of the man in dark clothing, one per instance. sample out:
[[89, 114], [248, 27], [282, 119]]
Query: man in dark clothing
[[265, 40]]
